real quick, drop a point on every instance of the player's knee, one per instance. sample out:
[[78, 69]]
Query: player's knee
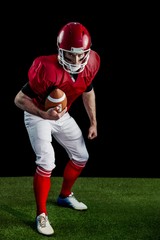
[[45, 164], [85, 155]]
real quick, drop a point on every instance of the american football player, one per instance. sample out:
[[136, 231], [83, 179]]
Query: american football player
[[72, 69]]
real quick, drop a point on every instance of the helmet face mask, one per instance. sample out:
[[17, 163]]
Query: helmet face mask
[[71, 67], [73, 38]]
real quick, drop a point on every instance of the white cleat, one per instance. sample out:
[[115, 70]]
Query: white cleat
[[71, 202], [43, 225]]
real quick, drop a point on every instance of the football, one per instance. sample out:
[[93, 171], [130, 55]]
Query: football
[[56, 98]]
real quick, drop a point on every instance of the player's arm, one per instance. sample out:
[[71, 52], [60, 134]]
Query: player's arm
[[89, 102], [24, 100]]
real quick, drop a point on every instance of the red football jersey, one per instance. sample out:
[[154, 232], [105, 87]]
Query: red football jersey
[[46, 72]]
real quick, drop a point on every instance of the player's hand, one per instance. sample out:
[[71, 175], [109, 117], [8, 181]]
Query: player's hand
[[54, 114], [92, 133]]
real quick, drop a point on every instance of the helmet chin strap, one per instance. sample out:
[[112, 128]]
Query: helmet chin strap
[[73, 69]]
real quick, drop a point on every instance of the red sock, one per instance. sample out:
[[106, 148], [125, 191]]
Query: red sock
[[71, 173], [41, 184]]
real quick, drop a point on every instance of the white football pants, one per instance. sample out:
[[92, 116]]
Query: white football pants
[[65, 130]]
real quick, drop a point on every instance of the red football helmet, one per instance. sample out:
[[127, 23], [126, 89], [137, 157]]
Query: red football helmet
[[73, 38]]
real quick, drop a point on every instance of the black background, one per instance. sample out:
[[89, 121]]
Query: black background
[[126, 143]]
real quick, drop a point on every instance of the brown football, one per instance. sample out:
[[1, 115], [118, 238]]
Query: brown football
[[56, 98]]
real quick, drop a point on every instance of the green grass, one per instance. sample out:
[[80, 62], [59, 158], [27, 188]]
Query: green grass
[[118, 209]]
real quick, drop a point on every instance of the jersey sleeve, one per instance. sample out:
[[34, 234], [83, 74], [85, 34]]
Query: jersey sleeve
[[41, 75], [89, 88], [36, 76], [26, 89]]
